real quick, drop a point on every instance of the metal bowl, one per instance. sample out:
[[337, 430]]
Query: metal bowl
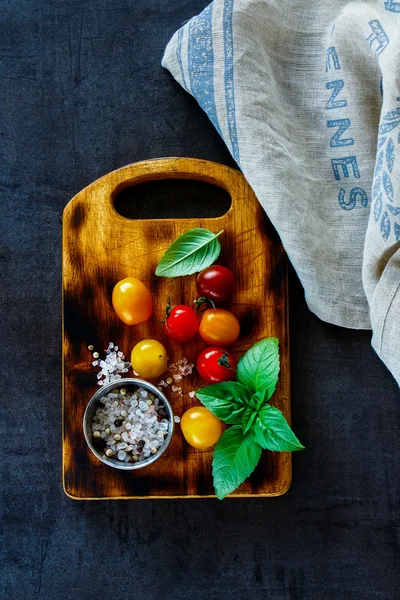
[[91, 409]]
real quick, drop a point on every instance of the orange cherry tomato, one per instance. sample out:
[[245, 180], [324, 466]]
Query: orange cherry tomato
[[219, 327], [200, 428], [132, 301]]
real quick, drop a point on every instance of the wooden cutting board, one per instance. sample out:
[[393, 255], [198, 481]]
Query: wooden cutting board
[[100, 247]]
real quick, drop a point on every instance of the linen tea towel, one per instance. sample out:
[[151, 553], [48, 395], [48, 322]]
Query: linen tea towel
[[306, 96]]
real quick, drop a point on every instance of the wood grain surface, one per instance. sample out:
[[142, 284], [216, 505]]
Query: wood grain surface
[[100, 247]]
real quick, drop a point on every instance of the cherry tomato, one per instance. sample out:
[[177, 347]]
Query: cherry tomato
[[200, 428], [219, 326], [182, 323], [216, 282], [149, 359], [132, 301], [216, 364]]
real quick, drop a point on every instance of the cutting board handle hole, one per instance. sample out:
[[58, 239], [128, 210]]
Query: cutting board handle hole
[[172, 199]]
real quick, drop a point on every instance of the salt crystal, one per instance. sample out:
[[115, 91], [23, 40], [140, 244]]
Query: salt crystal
[[121, 455], [124, 436], [176, 419], [192, 394]]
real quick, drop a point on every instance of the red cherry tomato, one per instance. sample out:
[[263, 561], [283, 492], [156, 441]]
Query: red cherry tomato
[[215, 364], [217, 283], [181, 323]]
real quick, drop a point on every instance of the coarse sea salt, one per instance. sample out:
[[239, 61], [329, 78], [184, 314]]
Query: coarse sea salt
[[142, 432], [112, 366]]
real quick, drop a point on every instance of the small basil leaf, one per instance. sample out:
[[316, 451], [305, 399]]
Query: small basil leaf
[[258, 400], [258, 369], [248, 418], [191, 252], [227, 401], [272, 432], [235, 458]]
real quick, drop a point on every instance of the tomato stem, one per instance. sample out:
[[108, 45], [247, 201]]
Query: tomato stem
[[203, 300], [167, 313], [223, 361]]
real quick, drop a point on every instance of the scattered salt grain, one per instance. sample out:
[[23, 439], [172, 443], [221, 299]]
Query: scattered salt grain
[[111, 366], [177, 419]]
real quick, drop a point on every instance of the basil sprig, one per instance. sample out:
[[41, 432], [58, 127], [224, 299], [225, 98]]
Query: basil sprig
[[191, 252], [255, 423]]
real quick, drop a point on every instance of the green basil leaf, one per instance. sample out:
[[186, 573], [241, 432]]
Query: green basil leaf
[[248, 419], [272, 431], [235, 458], [258, 369], [227, 401], [191, 252], [258, 399]]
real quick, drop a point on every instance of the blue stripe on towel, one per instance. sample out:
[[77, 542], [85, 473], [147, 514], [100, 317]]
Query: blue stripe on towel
[[179, 57], [229, 78], [201, 63]]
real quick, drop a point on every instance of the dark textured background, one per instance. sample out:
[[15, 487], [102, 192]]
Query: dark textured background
[[82, 92]]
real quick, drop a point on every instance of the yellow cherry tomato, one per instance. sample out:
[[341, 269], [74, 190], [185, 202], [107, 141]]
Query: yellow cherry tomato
[[132, 301], [149, 359], [200, 428], [219, 327]]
